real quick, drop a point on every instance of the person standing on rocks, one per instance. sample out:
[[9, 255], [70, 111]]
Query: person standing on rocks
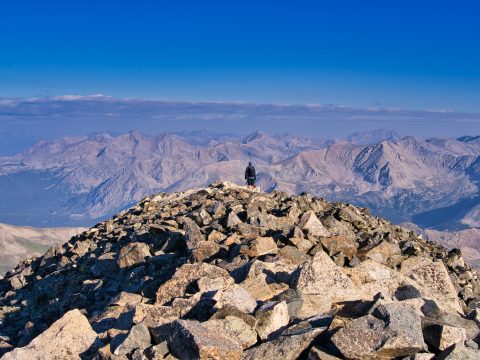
[[250, 175]]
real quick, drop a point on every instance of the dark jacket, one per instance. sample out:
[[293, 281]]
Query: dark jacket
[[250, 173]]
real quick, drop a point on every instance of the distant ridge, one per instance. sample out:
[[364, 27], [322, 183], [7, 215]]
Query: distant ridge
[[77, 181]]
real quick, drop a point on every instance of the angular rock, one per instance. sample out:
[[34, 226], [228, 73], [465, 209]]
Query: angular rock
[[184, 276], [322, 278], [460, 352], [340, 244], [397, 334], [235, 329], [271, 318], [432, 277], [310, 223], [229, 310], [189, 339], [283, 347], [259, 246], [137, 338], [442, 337], [237, 296], [66, 338], [133, 254]]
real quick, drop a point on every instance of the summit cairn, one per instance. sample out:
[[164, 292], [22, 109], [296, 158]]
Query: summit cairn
[[229, 273]]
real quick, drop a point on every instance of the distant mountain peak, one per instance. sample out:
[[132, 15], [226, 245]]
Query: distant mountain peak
[[467, 138], [254, 136]]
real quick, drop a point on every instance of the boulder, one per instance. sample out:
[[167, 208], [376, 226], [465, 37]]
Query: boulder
[[442, 336], [154, 315], [264, 280], [133, 254], [433, 278], [189, 339], [229, 310], [340, 244], [137, 338], [184, 276], [67, 338], [271, 318], [394, 332], [460, 352], [310, 223], [237, 296], [322, 279], [283, 347], [259, 246], [235, 329]]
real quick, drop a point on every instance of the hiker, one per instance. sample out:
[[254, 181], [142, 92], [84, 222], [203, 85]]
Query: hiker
[[250, 175]]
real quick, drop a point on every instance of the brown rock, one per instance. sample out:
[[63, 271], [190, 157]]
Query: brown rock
[[310, 223], [177, 285], [189, 339], [235, 329], [283, 347], [323, 279], [259, 246], [133, 254], [66, 339], [340, 244]]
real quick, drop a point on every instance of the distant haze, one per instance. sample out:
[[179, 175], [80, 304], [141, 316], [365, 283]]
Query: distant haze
[[24, 122]]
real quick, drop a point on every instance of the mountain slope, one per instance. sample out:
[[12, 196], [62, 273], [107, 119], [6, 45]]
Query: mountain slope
[[19, 242], [228, 273]]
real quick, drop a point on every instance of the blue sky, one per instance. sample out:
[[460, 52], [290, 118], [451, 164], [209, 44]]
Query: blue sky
[[407, 54]]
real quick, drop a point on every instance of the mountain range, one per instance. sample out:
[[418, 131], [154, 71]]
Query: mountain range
[[76, 181]]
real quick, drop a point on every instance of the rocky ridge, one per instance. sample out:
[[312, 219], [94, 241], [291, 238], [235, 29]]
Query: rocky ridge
[[228, 273]]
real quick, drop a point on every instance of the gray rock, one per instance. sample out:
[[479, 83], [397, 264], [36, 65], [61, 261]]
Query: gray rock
[[283, 347], [137, 338], [190, 340]]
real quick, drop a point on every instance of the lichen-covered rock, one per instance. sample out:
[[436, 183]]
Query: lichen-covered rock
[[188, 339], [137, 338], [235, 329], [133, 254], [283, 347], [184, 276], [67, 338], [271, 317], [192, 269], [310, 223], [322, 279], [395, 331], [260, 246]]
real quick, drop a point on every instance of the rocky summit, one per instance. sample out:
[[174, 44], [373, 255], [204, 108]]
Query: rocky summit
[[229, 273]]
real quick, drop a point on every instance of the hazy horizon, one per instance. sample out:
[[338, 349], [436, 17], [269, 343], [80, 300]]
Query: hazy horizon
[[27, 121]]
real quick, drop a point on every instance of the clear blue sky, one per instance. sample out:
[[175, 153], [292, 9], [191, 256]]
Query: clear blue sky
[[410, 54]]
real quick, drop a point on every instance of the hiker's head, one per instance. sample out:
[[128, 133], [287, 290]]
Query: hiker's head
[[250, 163]]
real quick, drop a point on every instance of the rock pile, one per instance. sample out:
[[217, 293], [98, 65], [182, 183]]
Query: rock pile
[[227, 273]]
